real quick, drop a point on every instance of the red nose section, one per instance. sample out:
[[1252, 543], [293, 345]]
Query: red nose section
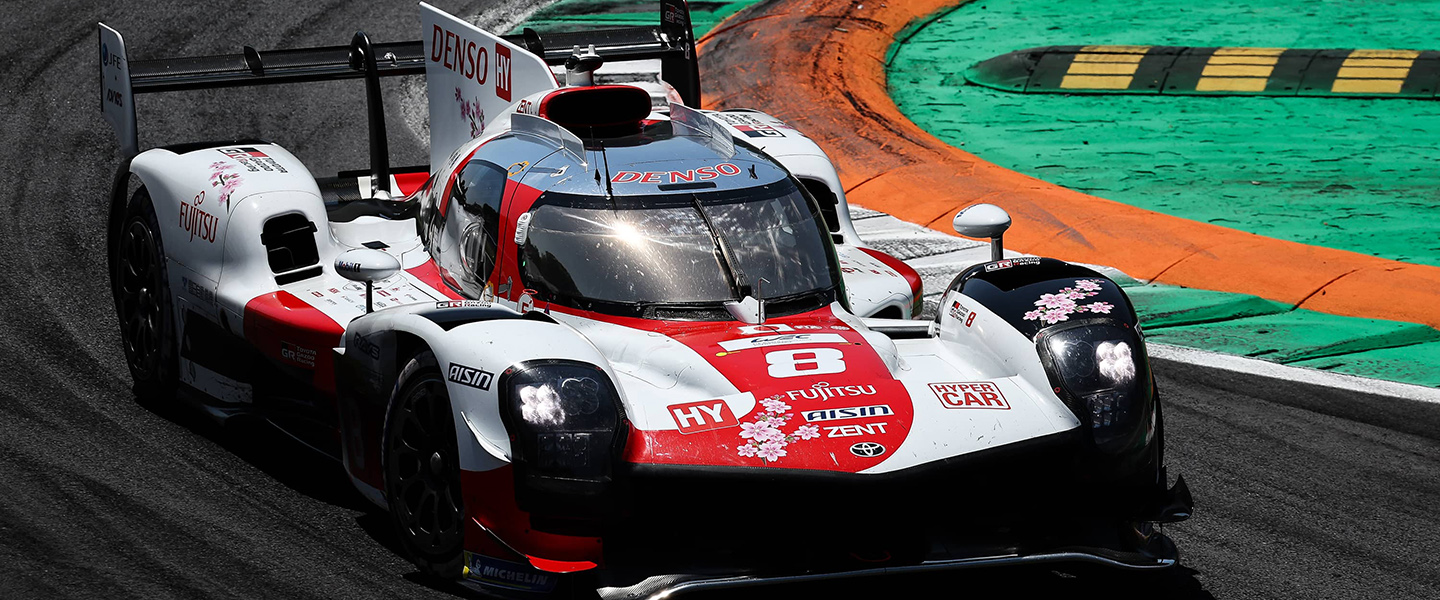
[[823, 400]]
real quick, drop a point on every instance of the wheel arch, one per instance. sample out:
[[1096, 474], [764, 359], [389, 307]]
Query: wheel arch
[[481, 341]]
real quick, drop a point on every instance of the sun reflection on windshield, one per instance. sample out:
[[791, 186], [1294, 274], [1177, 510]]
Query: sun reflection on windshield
[[626, 232]]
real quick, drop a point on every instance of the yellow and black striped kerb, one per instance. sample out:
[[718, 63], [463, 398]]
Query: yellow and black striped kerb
[[1189, 71]]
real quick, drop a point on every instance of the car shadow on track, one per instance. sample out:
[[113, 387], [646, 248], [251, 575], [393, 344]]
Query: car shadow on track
[[255, 441], [1008, 582]]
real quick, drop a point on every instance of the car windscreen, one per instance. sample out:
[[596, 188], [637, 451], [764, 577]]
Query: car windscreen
[[661, 249]]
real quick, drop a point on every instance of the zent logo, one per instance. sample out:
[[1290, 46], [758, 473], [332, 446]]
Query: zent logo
[[799, 363], [502, 72], [695, 417], [470, 376], [854, 430], [980, 394]]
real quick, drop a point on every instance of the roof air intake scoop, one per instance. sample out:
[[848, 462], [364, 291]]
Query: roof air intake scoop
[[580, 67]]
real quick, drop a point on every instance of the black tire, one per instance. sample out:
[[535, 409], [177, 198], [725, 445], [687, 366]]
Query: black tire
[[422, 470], [143, 304]]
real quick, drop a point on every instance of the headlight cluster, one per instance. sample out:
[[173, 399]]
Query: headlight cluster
[[1100, 370], [565, 427]]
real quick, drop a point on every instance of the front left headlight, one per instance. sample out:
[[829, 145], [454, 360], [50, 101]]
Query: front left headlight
[[1099, 368], [565, 422]]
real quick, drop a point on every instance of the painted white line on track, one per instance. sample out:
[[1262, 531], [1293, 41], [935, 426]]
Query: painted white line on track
[[1264, 368]]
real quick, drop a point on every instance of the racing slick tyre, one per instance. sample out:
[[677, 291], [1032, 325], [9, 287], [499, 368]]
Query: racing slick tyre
[[141, 286], [422, 470]]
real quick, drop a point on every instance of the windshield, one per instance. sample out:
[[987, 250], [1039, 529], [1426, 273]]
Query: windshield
[[660, 249]]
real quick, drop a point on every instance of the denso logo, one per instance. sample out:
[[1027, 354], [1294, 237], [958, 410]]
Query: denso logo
[[466, 57], [199, 223], [700, 174], [825, 391], [978, 394]]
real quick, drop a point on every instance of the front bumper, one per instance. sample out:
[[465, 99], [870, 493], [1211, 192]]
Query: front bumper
[[668, 586]]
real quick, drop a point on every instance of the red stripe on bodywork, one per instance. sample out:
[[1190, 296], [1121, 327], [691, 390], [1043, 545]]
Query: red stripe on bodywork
[[430, 275], [750, 370], [279, 318], [409, 183], [911, 277]]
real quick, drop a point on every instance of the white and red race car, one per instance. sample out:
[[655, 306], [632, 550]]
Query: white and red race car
[[604, 334]]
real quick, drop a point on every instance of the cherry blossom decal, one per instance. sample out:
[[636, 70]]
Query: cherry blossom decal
[[764, 438], [1057, 307], [473, 112], [221, 177]]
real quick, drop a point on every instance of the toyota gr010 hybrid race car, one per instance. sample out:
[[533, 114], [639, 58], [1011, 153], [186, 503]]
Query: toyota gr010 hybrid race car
[[605, 335]]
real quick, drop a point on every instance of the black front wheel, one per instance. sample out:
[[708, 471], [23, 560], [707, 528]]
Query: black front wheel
[[143, 303], [422, 470]]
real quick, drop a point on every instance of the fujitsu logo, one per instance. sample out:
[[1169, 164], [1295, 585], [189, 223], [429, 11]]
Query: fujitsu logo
[[825, 391], [199, 223]]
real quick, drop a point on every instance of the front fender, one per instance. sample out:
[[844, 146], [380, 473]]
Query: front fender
[[473, 343]]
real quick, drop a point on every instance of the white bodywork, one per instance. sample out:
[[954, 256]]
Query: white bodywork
[[212, 206]]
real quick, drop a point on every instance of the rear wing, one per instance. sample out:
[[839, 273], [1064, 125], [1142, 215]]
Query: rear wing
[[672, 42]]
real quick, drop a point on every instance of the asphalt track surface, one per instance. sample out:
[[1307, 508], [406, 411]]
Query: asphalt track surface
[[1301, 493]]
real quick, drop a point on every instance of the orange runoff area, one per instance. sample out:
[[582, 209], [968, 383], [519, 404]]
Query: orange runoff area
[[819, 64]]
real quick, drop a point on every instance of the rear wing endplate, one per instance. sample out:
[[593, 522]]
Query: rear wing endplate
[[672, 41]]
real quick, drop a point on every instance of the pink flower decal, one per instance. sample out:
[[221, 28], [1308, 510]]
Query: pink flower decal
[[754, 430], [1057, 307], [1062, 301], [221, 177], [772, 451], [472, 112], [774, 406], [763, 438]]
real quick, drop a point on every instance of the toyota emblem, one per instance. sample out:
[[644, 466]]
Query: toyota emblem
[[867, 449]]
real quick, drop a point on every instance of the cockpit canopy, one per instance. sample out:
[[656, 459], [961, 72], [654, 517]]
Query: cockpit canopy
[[681, 250]]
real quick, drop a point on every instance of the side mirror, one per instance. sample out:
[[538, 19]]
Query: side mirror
[[984, 221], [368, 266]]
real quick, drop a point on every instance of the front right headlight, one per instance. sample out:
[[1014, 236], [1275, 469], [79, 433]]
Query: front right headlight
[[1099, 367], [566, 424]]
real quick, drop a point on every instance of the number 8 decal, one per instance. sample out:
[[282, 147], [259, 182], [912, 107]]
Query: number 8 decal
[[798, 363]]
